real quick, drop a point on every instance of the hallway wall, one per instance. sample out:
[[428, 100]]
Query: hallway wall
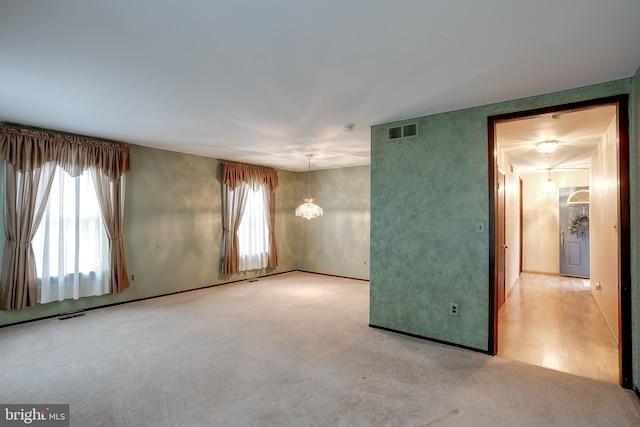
[[512, 223], [603, 227]]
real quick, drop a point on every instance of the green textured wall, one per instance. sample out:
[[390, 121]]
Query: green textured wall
[[173, 230], [427, 192], [338, 242]]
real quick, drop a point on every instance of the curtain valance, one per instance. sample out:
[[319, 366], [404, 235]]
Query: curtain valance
[[28, 150], [234, 174]]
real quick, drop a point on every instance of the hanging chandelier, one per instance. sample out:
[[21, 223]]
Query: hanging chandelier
[[549, 186], [309, 209]]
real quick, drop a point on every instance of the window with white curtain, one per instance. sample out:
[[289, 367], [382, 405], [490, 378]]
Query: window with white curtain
[[70, 245], [253, 233]]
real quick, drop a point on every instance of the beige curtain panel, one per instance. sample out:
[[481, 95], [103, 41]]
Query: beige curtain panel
[[234, 197], [25, 198], [111, 199], [30, 161], [234, 201]]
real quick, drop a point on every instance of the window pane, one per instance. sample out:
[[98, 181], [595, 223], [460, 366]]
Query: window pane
[[253, 232], [70, 245]]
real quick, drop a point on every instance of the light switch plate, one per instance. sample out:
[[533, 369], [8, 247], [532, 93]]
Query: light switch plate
[[479, 227]]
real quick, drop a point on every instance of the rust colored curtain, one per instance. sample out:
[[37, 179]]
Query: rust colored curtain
[[270, 203], [234, 196], [28, 157]]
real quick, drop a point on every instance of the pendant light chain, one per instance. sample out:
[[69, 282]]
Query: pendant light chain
[[309, 177]]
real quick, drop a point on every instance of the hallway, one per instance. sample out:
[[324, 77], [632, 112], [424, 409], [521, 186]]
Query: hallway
[[554, 322]]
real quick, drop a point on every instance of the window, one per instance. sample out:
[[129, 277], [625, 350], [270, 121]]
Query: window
[[253, 233], [578, 197], [31, 160], [71, 245], [248, 218]]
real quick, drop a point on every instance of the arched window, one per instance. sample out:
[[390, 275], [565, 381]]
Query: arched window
[[579, 197]]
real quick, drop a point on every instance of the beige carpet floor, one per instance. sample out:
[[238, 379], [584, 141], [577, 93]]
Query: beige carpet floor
[[288, 350]]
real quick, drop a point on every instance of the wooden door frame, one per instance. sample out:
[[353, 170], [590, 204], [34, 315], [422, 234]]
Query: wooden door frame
[[521, 225], [624, 210], [501, 253]]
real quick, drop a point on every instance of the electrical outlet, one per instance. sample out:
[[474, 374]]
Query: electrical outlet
[[453, 309], [132, 277]]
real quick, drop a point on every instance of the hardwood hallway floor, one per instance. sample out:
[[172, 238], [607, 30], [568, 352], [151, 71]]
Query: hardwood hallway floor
[[554, 322]]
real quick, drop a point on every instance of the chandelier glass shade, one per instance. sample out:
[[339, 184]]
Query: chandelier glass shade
[[308, 209], [549, 186]]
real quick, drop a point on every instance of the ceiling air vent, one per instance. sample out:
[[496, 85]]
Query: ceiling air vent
[[403, 131]]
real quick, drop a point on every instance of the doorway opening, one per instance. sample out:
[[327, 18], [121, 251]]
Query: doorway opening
[[543, 148]]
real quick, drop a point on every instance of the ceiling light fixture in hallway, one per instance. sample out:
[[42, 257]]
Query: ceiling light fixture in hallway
[[549, 186]]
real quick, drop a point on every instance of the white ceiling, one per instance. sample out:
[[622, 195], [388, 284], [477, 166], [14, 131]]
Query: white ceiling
[[267, 82], [577, 133]]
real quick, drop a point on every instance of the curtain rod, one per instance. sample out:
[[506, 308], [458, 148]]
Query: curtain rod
[[61, 137], [247, 165]]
